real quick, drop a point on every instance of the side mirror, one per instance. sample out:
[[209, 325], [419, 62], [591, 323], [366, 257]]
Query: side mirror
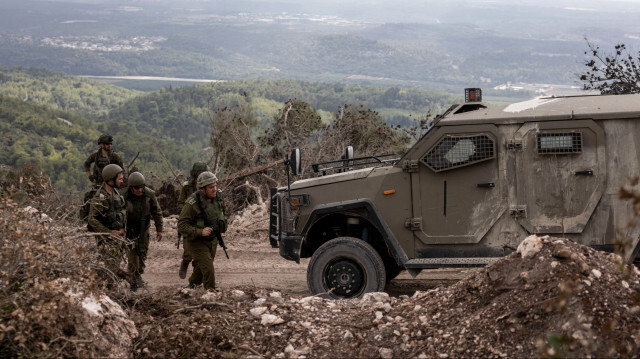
[[347, 157], [294, 162], [348, 153]]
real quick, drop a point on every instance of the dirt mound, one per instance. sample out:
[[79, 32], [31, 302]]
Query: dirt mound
[[551, 298]]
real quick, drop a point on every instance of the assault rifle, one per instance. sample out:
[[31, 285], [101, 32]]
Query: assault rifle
[[207, 223]]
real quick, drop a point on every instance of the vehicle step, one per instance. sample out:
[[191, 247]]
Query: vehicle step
[[450, 262]]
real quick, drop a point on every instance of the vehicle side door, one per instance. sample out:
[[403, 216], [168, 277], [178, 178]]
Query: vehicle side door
[[560, 175], [459, 194]]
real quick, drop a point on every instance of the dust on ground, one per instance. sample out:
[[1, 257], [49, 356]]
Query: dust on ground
[[253, 262], [552, 298]]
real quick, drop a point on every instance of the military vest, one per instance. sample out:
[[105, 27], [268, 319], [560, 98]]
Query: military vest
[[112, 212], [214, 212], [101, 161]]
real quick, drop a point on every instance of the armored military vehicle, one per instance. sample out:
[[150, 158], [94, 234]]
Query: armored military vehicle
[[467, 193]]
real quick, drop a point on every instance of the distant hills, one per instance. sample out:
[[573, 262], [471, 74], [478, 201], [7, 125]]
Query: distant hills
[[442, 46], [55, 119]]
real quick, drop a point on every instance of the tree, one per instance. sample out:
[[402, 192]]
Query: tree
[[366, 131], [617, 73], [293, 125]]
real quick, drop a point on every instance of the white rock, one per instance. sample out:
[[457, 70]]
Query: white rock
[[530, 246], [376, 297], [596, 273], [259, 302], [270, 319], [386, 307], [347, 335], [386, 353], [378, 315], [237, 294], [258, 311], [306, 300], [289, 349], [209, 296]]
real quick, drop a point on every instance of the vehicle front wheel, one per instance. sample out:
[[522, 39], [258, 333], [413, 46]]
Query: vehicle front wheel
[[345, 267]]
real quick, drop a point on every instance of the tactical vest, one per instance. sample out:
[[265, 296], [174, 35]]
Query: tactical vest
[[100, 162], [214, 211], [115, 217]]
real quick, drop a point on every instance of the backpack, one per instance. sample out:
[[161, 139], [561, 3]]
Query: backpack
[[86, 202]]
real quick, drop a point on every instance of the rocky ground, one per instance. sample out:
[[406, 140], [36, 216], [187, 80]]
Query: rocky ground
[[553, 298]]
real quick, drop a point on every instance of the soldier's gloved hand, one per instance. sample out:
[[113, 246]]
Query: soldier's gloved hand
[[159, 236], [206, 231], [92, 178], [119, 232]]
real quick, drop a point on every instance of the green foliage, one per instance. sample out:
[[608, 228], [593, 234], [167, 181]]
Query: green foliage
[[63, 92], [218, 123], [365, 130], [55, 139], [292, 125]]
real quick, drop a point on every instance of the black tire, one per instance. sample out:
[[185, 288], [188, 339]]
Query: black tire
[[345, 267]]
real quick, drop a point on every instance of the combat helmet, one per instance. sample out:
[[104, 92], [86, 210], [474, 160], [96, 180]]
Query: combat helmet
[[105, 138], [136, 179], [206, 178], [198, 168], [110, 172]]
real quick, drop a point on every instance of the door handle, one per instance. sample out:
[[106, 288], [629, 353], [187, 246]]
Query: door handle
[[486, 185], [584, 173]]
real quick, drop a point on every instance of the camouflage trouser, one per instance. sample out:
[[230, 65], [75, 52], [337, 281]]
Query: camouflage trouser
[[203, 253], [186, 250], [135, 262]]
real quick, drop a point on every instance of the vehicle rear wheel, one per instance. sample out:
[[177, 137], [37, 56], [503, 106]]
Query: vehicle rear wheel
[[345, 267]]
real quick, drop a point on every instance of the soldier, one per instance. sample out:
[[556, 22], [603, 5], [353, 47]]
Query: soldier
[[142, 205], [188, 188], [202, 215], [99, 159], [108, 215], [104, 156]]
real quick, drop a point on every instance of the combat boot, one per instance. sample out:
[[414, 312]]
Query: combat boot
[[183, 269]]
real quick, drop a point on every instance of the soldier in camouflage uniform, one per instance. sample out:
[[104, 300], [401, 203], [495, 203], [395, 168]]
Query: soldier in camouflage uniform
[[142, 205], [104, 156], [108, 215], [202, 215], [188, 188]]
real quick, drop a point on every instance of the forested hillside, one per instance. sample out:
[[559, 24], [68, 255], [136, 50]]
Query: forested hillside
[[170, 128], [61, 91], [59, 141]]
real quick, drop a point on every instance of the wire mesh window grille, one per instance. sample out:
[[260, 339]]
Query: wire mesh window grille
[[554, 143], [457, 151]]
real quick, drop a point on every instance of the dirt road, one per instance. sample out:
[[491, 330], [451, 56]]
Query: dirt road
[[254, 263]]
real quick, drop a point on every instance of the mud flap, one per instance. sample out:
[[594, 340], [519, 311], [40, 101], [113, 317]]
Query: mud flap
[[290, 248]]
